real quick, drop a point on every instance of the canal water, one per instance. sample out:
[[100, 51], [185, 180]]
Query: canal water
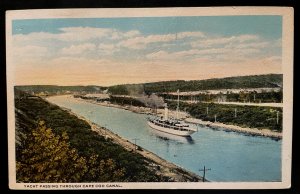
[[230, 156]]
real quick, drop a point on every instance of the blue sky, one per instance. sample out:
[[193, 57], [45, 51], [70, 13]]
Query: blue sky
[[266, 26], [107, 51]]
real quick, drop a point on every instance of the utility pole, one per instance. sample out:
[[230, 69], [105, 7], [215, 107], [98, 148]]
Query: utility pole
[[177, 109], [104, 130], [204, 170], [235, 113], [215, 118], [135, 139]]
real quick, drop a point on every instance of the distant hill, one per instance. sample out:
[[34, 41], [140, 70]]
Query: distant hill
[[253, 81], [53, 89]]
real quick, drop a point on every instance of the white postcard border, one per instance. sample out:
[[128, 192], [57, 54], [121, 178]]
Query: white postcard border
[[287, 61]]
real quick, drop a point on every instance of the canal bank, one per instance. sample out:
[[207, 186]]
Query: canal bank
[[235, 128], [159, 165], [231, 156], [185, 116], [155, 163]]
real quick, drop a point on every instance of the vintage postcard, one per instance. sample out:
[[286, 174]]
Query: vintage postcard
[[156, 98]]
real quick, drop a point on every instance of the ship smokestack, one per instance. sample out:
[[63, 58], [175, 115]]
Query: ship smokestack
[[166, 112]]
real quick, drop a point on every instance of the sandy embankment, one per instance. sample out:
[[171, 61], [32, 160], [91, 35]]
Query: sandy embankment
[[249, 131], [187, 118]]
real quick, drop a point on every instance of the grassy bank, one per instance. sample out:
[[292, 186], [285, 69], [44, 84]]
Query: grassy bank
[[243, 116], [74, 134]]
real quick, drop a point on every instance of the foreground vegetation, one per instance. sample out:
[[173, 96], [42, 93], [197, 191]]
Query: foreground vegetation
[[55, 146], [245, 116], [47, 157]]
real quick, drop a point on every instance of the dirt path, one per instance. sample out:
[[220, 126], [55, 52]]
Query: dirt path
[[280, 105]]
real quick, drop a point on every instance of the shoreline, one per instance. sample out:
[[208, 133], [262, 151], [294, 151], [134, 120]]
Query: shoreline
[[159, 165], [182, 115], [154, 162], [234, 128]]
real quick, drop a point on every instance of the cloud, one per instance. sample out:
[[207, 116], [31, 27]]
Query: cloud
[[107, 49], [190, 34], [247, 37], [106, 46], [89, 33], [29, 51], [119, 35], [112, 56], [214, 54], [251, 45], [278, 43], [131, 33], [75, 34], [78, 49], [33, 35], [35, 38], [83, 33], [209, 42], [159, 55], [142, 41], [77, 70], [275, 59]]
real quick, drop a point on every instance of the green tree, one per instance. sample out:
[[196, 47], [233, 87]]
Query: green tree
[[103, 170], [47, 157]]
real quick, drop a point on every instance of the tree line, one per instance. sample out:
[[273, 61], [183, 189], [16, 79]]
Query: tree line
[[53, 89], [254, 97], [255, 81], [244, 116]]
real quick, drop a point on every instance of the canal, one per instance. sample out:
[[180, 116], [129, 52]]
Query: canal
[[231, 156]]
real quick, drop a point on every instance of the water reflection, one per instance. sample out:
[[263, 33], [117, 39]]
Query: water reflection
[[171, 137]]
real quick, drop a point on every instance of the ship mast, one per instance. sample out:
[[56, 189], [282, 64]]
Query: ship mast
[[177, 109]]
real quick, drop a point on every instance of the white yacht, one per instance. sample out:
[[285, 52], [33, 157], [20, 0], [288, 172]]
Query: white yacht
[[172, 126]]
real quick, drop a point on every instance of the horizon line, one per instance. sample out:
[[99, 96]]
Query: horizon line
[[150, 82]]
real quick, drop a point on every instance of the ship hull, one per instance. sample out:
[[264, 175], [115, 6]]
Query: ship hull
[[170, 131]]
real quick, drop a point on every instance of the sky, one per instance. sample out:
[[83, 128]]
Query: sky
[[110, 51]]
